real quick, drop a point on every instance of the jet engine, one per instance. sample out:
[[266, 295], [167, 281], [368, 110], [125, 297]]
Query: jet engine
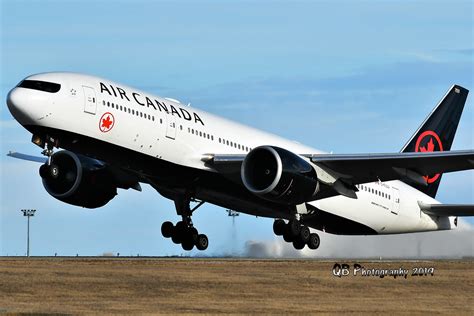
[[279, 175], [78, 180]]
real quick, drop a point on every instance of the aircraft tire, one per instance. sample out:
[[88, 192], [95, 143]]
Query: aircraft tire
[[44, 171], [167, 229], [304, 234], [187, 245], [193, 234], [314, 241], [298, 244], [279, 227], [202, 242], [294, 227], [287, 235]]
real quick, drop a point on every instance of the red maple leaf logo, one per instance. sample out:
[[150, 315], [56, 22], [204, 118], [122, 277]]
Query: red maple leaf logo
[[430, 146], [106, 122]]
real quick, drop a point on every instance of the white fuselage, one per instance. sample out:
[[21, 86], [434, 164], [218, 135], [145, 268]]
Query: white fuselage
[[185, 135]]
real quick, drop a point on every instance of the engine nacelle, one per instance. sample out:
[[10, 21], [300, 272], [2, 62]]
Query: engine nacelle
[[78, 180], [279, 175]]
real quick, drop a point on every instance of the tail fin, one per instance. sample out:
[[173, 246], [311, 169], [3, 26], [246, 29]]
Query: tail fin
[[437, 132]]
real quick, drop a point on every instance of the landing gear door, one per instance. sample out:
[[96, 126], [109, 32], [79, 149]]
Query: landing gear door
[[90, 101], [395, 201], [171, 126]]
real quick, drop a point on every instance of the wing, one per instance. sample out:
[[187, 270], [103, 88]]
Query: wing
[[415, 166], [447, 209], [342, 172], [21, 156]]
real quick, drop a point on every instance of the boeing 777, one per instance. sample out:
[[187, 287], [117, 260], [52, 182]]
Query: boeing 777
[[114, 136]]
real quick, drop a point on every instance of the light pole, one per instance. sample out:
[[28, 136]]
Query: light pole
[[28, 213]]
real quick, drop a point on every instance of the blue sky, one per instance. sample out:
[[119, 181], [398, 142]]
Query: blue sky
[[347, 76]]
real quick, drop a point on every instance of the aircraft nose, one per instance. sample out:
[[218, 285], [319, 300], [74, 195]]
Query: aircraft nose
[[17, 102]]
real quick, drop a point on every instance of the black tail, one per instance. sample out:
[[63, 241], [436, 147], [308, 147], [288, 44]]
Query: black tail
[[437, 132]]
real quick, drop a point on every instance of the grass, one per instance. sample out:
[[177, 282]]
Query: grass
[[211, 286]]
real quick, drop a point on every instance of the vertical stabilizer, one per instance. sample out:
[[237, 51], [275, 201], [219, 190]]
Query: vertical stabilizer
[[437, 132]]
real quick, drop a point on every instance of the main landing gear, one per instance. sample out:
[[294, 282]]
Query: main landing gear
[[184, 232], [296, 233]]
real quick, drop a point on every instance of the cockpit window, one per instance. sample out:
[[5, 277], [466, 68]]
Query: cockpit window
[[40, 85]]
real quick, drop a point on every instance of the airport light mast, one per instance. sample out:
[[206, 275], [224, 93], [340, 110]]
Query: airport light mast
[[28, 213]]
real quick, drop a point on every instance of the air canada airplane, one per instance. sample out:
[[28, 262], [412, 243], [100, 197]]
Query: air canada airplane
[[114, 136]]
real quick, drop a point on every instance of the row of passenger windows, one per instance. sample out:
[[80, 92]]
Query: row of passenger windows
[[221, 140], [233, 144], [373, 191], [130, 111], [200, 134], [190, 130]]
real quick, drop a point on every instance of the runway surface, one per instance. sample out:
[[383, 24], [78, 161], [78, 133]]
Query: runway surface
[[211, 286]]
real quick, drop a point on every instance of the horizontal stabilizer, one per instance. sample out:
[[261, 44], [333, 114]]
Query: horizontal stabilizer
[[447, 209], [27, 157]]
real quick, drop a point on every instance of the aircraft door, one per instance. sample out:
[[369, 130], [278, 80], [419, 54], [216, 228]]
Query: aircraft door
[[395, 201], [171, 126], [90, 101]]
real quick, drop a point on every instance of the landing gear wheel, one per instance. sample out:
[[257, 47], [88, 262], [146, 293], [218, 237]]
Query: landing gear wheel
[[294, 227], [313, 242], [193, 234], [279, 227], [176, 238], [44, 171], [304, 234], [167, 229], [187, 245], [288, 236], [202, 242], [298, 244], [179, 232]]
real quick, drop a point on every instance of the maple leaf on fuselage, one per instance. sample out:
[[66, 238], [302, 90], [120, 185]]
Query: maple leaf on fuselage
[[430, 146], [106, 122]]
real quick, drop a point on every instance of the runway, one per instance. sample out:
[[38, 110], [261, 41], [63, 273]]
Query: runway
[[210, 286]]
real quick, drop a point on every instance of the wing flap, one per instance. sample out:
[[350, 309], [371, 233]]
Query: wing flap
[[447, 209]]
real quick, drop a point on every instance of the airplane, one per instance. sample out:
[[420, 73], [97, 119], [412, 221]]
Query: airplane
[[113, 136]]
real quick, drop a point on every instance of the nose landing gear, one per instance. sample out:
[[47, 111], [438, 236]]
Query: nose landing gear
[[296, 233], [47, 170], [184, 232]]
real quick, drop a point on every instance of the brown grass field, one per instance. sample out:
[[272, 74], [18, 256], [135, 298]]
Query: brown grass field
[[213, 286]]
